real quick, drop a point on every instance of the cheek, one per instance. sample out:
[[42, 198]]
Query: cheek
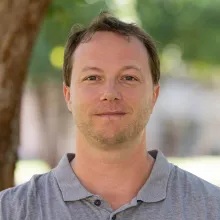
[[135, 96], [138, 99], [84, 94]]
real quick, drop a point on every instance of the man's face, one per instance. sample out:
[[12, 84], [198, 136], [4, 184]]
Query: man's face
[[111, 95]]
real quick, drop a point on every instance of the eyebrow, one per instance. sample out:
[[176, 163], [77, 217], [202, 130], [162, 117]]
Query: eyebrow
[[128, 67], [89, 68]]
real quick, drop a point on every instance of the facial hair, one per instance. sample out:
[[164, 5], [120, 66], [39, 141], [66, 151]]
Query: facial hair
[[129, 131]]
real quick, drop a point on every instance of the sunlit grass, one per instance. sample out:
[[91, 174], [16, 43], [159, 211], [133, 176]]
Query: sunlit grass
[[206, 167], [25, 169]]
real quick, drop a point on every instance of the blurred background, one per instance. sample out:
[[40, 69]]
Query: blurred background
[[186, 122]]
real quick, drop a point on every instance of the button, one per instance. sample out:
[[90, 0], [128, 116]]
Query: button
[[97, 202], [113, 217]]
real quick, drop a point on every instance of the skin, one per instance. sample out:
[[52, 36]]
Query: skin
[[111, 98]]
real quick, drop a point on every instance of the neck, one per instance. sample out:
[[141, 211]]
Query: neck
[[116, 174]]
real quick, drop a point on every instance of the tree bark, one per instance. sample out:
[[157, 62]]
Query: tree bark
[[19, 25]]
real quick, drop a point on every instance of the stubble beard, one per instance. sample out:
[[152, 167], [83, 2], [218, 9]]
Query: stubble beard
[[130, 132]]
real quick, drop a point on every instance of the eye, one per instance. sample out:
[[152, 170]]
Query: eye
[[91, 78], [130, 78]]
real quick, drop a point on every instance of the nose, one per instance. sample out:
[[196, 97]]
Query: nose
[[110, 93]]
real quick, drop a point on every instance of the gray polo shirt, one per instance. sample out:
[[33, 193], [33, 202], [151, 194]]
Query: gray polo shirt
[[169, 193]]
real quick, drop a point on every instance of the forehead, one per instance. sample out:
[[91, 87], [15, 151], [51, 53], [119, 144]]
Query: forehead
[[109, 48]]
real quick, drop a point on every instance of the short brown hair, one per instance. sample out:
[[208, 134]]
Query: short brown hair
[[107, 22]]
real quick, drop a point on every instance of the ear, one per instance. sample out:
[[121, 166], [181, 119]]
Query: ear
[[156, 93], [67, 96]]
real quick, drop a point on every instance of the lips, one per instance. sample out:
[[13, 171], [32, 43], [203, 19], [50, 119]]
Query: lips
[[111, 114]]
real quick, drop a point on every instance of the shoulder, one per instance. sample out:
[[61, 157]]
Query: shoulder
[[194, 186], [21, 199], [29, 188]]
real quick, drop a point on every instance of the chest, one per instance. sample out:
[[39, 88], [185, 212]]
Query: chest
[[143, 211]]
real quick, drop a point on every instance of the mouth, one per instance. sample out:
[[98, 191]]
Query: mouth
[[111, 114]]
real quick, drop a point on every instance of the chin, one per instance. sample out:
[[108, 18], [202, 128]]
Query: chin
[[111, 138]]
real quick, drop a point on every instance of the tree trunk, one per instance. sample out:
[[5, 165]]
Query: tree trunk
[[19, 25]]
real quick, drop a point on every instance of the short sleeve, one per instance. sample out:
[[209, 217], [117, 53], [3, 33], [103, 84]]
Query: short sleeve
[[5, 205]]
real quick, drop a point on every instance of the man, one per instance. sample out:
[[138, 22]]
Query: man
[[111, 84]]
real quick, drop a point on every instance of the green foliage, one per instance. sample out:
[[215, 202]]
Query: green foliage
[[193, 25]]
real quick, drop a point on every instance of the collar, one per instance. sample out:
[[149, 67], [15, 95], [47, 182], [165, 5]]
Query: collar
[[153, 190], [69, 184]]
